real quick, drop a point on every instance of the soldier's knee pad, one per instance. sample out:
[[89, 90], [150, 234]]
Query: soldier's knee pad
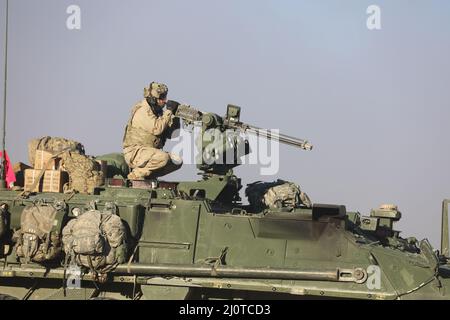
[[163, 159]]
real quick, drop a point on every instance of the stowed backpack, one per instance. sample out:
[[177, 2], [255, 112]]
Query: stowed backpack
[[84, 172], [278, 194], [52, 145], [39, 236], [96, 240]]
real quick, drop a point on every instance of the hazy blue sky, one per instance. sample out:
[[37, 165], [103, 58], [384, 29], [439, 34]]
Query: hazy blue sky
[[375, 104]]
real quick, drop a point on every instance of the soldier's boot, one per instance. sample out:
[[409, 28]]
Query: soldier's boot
[[174, 163], [133, 176]]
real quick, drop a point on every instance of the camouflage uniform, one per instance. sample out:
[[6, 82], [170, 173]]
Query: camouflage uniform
[[144, 138]]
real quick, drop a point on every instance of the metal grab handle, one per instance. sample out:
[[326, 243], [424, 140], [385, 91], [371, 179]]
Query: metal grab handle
[[444, 229]]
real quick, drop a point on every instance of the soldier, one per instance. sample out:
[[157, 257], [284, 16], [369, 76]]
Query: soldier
[[146, 133]]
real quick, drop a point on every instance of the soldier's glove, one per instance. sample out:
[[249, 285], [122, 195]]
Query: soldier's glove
[[172, 106]]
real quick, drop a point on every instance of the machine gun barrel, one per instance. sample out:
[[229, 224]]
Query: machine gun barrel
[[283, 138], [191, 115]]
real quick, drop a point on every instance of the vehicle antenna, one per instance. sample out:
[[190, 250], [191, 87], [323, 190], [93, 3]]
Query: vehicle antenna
[[2, 166]]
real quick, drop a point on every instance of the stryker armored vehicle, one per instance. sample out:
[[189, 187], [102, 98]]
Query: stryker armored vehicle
[[197, 240]]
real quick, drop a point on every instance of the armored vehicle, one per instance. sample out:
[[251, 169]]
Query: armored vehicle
[[198, 240]]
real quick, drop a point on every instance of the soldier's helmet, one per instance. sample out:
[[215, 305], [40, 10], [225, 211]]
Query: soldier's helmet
[[156, 90]]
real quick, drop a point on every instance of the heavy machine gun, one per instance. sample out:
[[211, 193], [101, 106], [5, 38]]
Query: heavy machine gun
[[222, 144], [231, 120], [221, 141]]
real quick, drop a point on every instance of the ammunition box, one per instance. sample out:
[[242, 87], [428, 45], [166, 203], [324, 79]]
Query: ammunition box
[[30, 177], [43, 157], [52, 181]]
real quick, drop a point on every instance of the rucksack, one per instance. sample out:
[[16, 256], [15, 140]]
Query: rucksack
[[95, 240], [277, 194], [52, 145], [84, 172], [39, 236]]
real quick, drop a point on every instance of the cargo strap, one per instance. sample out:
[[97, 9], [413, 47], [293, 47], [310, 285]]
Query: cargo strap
[[131, 258], [70, 196]]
